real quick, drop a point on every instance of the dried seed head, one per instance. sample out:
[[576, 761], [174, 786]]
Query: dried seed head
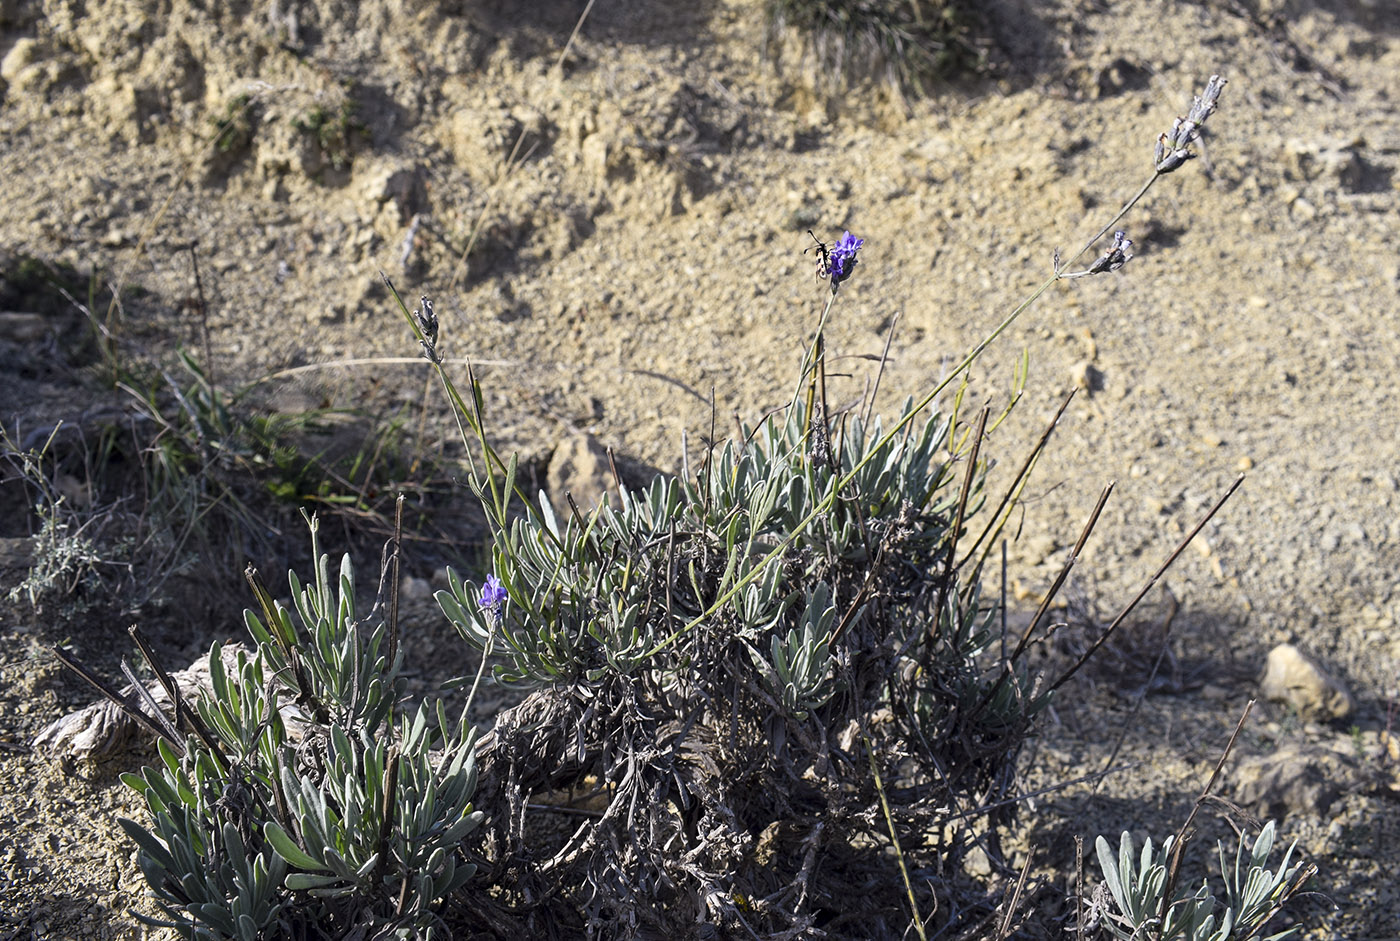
[[1171, 150], [428, 323], [1116, 255]]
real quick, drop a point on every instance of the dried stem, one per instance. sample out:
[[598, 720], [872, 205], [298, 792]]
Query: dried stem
[[1147, 586], [1174, 864]]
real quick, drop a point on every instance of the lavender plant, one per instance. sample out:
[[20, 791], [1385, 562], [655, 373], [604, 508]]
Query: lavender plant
[[905, 44], [299, 806], [765, 674], [1254, 893], [738, 658]]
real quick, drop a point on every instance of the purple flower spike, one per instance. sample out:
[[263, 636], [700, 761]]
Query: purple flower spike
[[493, 594], [843, 257]]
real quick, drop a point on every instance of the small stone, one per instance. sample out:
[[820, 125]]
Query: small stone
[[1244, 463], [579, 467], [1391, 744], [24, 53], [1301, 779], [1036, 549], [1292, 677], [415, 589], [22, 327], [1084, 375], [977, 863]]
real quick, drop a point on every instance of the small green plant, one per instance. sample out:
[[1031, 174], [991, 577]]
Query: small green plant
[[68, 555], [213, 462], [183, 473], [1254, 893], [907, 43], [1358, 742], [63, 559], [317, 820], [234, 128], [334, 129]]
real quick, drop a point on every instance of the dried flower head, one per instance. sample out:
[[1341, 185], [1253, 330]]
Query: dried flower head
[[843, 257], [428, 323], [1115, 256], [1172, 150]]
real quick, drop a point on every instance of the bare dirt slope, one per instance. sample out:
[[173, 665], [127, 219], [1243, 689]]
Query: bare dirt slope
[[636, 216]]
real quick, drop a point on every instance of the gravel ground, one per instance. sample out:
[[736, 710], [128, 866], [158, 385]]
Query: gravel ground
[[637, 212]]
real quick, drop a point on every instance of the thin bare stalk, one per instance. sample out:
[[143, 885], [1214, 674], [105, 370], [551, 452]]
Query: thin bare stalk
[[880, 372], [183, 713], [948, 567], [1004, 931], [1174, 864], [386, 812], [393, 647], [151, 725], [1065, 570], [894, 838], [1018, 482], [1146, 587]]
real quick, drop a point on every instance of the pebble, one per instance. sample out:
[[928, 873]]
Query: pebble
[[1294, 678], [20, 327], [578, 467]]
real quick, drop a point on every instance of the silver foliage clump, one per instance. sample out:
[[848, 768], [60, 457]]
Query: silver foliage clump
[[733, 660], [1254, 893], [301, 806], [599, 596]]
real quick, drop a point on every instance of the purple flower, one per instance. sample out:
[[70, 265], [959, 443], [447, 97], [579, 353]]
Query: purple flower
[[493, 595], [843, 257]]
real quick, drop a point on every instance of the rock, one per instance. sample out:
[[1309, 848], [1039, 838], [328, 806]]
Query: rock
[[1084, 375], [21, 327], [579, 467], [1292, 677], [977, 863], [485, 139], [1336, 159], [395, 185], [117, 107], [1302, 779], [415, 589], [24, 53], [103, 729]]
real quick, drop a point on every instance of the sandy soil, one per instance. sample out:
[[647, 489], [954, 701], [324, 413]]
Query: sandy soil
[[637, 215]]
